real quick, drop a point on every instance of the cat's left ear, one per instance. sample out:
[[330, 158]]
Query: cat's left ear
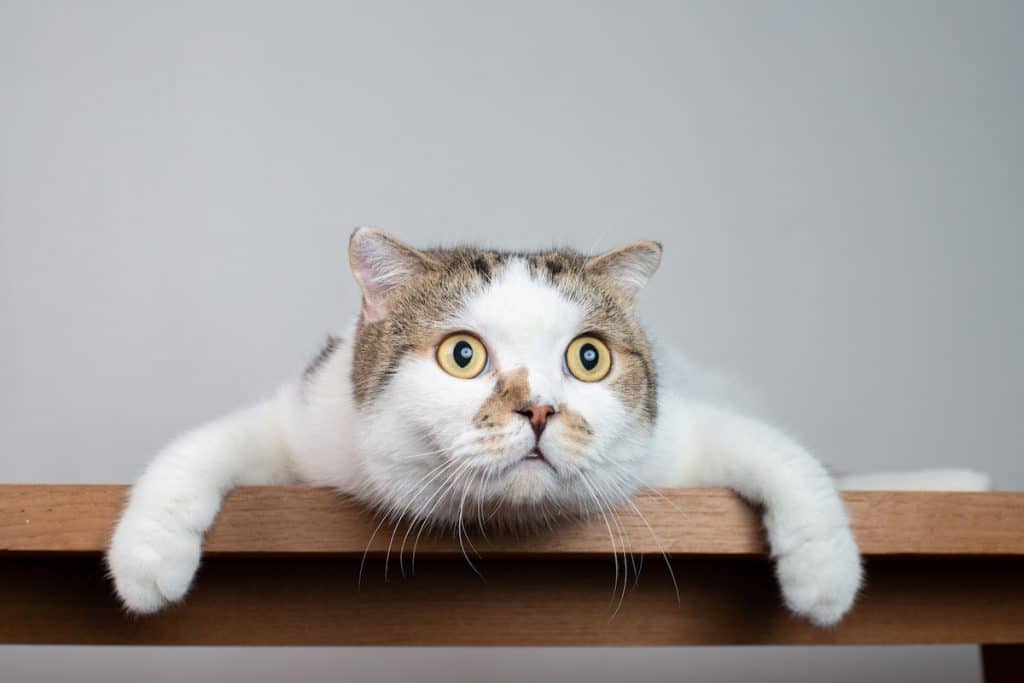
[[627, 268], [382, 265]]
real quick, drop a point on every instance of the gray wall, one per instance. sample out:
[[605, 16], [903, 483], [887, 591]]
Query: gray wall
[[839, 188]]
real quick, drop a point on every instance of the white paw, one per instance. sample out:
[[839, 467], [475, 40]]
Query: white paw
[[820, 576], [152, 560]]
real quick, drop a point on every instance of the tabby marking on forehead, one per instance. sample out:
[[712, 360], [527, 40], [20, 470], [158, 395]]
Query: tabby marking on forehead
[[418, 310]]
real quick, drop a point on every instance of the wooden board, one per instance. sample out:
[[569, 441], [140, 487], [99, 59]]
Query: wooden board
[[319, 601], [315, 521], [282, 567]]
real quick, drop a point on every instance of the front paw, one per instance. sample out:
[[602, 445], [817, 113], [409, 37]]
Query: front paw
[[820, 576], [152, 561]]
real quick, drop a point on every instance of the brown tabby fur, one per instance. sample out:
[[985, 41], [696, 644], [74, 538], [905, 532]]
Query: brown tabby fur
[[416, 315]]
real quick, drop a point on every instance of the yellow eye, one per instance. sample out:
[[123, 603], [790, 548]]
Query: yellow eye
[[462, 355], [588, 359]]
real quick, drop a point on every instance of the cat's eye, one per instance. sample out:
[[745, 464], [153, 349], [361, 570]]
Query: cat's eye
[[462, 355], [588, 359]]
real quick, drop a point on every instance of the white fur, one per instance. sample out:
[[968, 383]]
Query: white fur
[[817, 561], [925, 480], [415, 456], [154, 551]]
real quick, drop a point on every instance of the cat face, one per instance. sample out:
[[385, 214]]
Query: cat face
[[500, 387]]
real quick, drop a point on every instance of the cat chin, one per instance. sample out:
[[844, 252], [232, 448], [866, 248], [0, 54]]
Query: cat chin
[[530, 481]]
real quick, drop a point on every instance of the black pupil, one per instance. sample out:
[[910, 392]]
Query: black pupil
[[463, 353], [588, 356]]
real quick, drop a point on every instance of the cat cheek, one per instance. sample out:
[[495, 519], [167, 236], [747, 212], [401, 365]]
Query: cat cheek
[[575, 434], [490, 442]]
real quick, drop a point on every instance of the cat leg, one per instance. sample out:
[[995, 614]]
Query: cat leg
[[817, 562], [155, 548]]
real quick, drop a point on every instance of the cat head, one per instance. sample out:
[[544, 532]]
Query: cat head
[[500, 386]]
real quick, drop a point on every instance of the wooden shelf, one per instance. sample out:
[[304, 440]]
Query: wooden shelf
[[709, 522], [281, 567]]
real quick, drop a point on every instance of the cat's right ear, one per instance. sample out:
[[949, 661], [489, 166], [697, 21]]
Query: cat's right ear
[[381, 265]]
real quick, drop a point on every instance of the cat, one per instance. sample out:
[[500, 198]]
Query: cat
[[515, 385]]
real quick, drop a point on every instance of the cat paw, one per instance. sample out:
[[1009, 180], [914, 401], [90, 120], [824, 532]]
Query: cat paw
[[152, 561], [820, 577]]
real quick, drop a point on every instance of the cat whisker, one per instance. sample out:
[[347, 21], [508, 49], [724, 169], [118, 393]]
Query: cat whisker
[[499, 504], [661, 548], [642, 486], [362, 562], [626, 548], [611, 539], [425, 454], [462, 529], [439, 495], [433, 474], [486, 479]]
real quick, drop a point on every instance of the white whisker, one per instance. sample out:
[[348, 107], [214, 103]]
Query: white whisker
[[611, 539]]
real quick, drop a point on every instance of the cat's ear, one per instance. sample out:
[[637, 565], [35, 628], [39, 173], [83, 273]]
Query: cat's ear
[[627, 268], [381, 265]]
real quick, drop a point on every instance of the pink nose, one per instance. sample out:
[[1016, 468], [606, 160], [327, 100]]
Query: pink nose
[[538, 417]]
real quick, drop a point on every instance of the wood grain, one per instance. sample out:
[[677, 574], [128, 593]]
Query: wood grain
[[319, 601], [283, 567], [316, 521]]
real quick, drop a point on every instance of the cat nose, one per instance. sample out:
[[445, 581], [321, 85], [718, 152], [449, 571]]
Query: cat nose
[[538, 417]]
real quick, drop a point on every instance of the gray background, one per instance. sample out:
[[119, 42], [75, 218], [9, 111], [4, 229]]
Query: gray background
[[839, 188]]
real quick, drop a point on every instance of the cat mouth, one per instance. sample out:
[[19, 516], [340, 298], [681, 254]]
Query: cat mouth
[[535, 457]]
